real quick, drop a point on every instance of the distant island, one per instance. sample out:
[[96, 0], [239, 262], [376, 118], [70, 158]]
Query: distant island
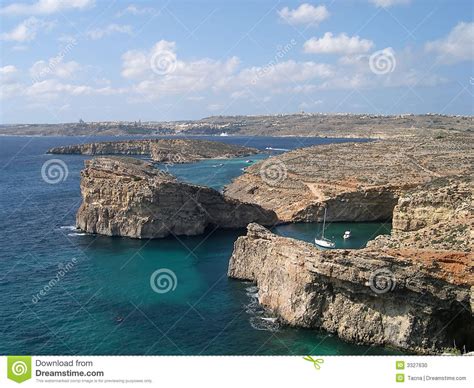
[[299, 124], [160, 150]]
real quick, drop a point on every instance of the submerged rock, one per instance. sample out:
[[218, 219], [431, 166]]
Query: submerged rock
[[415, 300], [129, 197]]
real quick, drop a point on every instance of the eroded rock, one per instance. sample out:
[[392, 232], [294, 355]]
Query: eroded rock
[[412, 300], [129, 197]]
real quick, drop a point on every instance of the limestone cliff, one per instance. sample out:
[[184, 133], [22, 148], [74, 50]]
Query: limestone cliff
[[413, 300], [128, 197], [437, 215], [355, 181], [160, 150]]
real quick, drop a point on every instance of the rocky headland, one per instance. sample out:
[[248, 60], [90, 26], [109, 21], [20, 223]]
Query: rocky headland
[[354, 181], [160, 150], [415, 300], [129, 197], [413, 289], [437, 216]]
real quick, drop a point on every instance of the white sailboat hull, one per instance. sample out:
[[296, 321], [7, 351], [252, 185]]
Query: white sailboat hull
[[324, 243]]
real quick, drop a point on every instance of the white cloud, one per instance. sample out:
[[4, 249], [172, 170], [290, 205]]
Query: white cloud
[[132, 9], [310, 104], [8, 75], [9, 87], [110, 29], [195, 98], [26, 31], [8, 70], [304, 14], [160, 72], [457, 46], [45, 7], [20, 47], [54, 67], [388, 3], [215, 107], [279, 74], [340, 44], [52, 89]]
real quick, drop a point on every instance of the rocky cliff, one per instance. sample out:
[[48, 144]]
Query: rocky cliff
[[413, 300], [437, 215], [160, 150], [129, 197], [355, 181]]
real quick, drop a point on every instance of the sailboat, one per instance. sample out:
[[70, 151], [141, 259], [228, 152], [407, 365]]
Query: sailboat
[[323, 241]]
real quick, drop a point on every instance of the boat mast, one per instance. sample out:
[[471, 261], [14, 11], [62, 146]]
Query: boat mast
[[324, 221]]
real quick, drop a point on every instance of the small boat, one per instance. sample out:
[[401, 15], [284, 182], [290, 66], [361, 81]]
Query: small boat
[[323, 241], [224, 134], [347, 234], [249, 161]]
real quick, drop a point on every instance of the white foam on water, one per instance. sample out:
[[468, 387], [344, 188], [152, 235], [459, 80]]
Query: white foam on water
[[259, 320], [68, 227], [260, 323]]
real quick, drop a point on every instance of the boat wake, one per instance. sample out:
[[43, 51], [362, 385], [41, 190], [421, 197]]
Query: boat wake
[[276, 149], [259, 319]]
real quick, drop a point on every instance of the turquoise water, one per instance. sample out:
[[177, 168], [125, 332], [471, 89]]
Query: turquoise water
[[213, 173], [103, 302]]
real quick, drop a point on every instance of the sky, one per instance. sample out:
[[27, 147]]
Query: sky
[[65, 60]]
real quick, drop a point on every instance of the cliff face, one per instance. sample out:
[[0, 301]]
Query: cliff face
[[160, 150], [128, 197], [437, 215], [356, 182], [413, 300]]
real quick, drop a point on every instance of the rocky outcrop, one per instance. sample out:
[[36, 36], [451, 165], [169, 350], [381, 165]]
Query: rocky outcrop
[[413, 300], [437, 215], [160, 150], [129, 197], [355, 181]]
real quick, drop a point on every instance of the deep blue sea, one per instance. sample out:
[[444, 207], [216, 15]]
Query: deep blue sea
[[64, 292]]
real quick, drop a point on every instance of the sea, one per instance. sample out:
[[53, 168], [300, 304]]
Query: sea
[[65, 292]]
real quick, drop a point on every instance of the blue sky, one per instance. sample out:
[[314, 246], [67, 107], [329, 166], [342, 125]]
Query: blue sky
[[130, 60]]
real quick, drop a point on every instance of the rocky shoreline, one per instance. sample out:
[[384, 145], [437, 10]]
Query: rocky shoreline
[[131, 198], [390, 298], [160, 150], [412, 290]]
